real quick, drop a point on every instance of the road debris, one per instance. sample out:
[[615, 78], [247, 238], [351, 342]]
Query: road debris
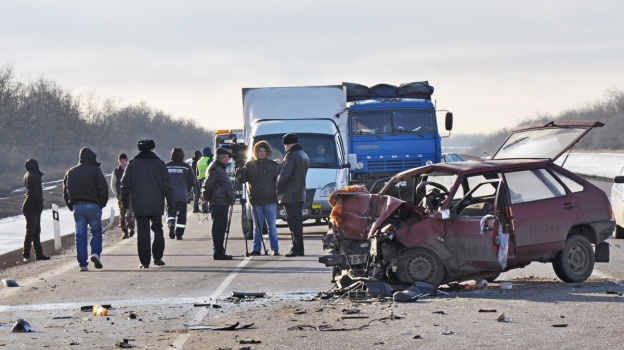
[[614, 292], [124, 344], [560, 325], [484, 310], [502, 318], [9, 282], [247, 295], [21, 326], [230, 327], [252, 341]]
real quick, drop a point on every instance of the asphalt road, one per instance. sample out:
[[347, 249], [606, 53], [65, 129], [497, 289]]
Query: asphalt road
[[542, 311]]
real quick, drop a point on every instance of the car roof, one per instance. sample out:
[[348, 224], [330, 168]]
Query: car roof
[[467, 167]]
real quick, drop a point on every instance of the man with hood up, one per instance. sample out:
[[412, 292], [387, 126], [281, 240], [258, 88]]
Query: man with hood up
[[260, 174], [86, 192], [146, 182], [32, 208], [182, 181]]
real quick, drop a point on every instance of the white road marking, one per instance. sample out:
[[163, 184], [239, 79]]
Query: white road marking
[[199, 317]]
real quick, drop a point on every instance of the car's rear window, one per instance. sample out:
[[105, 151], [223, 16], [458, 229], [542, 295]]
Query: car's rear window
[[532, 185], [571, 184]]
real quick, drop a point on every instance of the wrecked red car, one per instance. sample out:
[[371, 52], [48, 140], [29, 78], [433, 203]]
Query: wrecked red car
[[476, 219]]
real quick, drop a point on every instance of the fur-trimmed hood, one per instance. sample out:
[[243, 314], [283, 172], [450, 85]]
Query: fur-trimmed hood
[[264, 145]]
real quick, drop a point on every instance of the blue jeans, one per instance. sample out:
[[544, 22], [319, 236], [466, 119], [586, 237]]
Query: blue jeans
[[90, 214], [266, 212]]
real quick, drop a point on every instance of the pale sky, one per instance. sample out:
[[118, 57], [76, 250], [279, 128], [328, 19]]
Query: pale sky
[[492, 63]]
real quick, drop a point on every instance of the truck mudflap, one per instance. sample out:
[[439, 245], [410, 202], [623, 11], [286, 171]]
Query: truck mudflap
[[602, 252]]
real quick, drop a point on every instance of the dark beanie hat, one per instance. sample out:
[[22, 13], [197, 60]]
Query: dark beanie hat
[[290, 139], [207, 152], [221, 151], [146, 145], [177, 154], [122, 156], [198, 154]]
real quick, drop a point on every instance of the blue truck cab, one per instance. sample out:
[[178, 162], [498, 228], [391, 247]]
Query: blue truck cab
[[392, 129]]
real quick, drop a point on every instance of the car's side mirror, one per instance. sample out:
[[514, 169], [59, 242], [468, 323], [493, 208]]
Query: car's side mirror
[[618, 180]]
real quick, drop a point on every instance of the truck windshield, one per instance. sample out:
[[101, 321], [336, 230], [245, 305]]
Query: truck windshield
[[392, 121], [321, 149]]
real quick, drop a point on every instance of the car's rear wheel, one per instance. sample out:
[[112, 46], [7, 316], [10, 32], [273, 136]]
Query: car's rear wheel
[[575, 262], [619, 232], [419, 264]]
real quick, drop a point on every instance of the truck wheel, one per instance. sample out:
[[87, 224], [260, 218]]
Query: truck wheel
[[619, 232], [575, 262], [422, 265]]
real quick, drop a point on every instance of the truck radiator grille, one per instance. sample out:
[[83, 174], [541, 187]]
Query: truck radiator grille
[[393, 164]]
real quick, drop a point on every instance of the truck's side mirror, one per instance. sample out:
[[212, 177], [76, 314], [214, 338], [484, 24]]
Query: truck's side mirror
[[448, 121], [352, 161]]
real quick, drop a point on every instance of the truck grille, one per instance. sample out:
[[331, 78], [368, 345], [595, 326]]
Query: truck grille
[[393, 164]]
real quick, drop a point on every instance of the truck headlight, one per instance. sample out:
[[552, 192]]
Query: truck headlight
[[328, 189]]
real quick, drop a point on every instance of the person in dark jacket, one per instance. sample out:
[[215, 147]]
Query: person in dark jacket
[[182, 181], [146, 183], [32, 208], [291, 189], [260, 174], [219, 192], [86, 192], [126, 216], [197, 188]]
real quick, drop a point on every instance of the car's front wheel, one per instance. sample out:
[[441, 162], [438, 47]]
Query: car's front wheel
[[421, 265], [575, 263]]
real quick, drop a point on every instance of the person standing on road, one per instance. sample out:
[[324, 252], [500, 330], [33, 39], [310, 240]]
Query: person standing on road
[[144, 186], [86, 192], [182, 181], [32, 208], [126, 216], [291, 189], [202, 166], [197, 185], [260, 174], [219, 192]]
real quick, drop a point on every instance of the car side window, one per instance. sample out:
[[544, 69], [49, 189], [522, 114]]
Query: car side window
[[574, 186], [532, 185]]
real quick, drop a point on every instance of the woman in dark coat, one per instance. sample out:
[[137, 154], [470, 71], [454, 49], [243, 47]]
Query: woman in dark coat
[[32, 208]]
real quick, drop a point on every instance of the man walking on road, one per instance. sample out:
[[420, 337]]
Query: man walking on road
[[219, 191], [126, 216], [86, 192], [291, 189], [182, 181], [146, 183], [32, 208], [260, 174]]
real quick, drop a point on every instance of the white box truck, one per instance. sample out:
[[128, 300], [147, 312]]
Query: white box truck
[[318, 115]]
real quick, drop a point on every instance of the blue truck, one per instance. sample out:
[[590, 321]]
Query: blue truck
[[391, 129]]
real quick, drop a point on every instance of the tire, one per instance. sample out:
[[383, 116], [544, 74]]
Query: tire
[[619, 232], [575, 263], [422, 265]]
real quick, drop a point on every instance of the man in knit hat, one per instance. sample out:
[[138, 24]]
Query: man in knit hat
[[291, 189], [126, 216], [145, 185]]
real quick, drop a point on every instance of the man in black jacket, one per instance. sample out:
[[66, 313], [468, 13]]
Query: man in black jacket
[[182, 181], [291, 189], [146, 182], [32, 208], [126, 216], [86, 192], [260, 174], [219, 191], [197, 188]]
